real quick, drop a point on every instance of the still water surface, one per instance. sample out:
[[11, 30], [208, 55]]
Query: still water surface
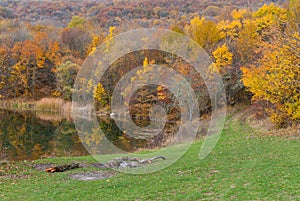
[[35, 135]]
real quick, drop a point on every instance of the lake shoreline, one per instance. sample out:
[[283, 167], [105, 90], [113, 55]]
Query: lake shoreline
[[45, 104]]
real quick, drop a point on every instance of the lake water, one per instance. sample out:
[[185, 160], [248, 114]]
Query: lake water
[[35, 135], [32, 135]]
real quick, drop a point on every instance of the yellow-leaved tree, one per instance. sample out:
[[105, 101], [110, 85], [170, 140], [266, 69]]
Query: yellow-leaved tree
[[93, 46], [223, 57], [248, 41], [100, 94], [270, 16], [276, 79], [205, 32]]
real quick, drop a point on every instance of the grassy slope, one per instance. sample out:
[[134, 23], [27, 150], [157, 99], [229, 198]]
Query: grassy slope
[[243, 166]]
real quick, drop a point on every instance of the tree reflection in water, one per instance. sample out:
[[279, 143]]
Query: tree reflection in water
[[35, 135], [24, 136]]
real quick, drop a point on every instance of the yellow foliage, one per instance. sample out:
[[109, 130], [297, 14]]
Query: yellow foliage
[[238, 14], [145, 62], [277, 117], [276, 79], [30, 56], [109, 39], [100, 94], [93, 46], [56, 93], [293, 15], [147, 67], [222, 56], [230, 29], [93, 50], [205, 32], [269, 15], [248, 41]]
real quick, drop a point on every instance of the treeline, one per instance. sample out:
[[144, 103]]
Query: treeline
[[256, 52]]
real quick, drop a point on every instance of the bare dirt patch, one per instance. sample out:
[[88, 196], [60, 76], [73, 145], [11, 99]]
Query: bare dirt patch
[[90, 176]]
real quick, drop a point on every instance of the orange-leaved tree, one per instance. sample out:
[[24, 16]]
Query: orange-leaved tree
[[34, 63]]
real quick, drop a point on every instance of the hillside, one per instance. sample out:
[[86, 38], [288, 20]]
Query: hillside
[[113, 13]]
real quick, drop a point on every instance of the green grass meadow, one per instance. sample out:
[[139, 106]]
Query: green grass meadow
[[244, 165]]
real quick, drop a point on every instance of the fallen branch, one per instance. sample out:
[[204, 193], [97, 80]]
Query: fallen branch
[[62, 168]]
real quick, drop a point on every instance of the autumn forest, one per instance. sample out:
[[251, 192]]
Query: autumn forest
[[254, 45]]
